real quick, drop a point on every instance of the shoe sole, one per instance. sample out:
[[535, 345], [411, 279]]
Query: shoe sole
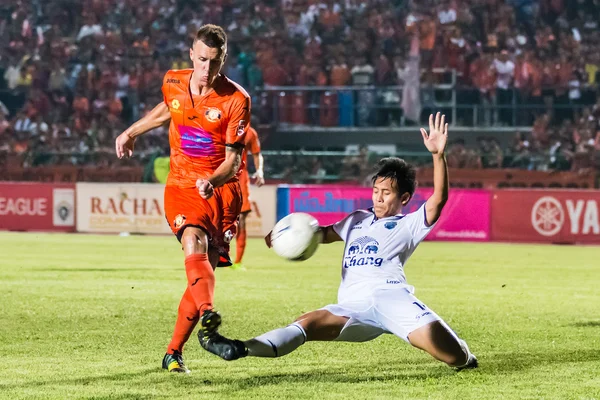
[[211, 324]]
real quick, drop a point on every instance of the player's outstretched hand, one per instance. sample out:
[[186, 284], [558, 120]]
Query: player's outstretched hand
[[437, 138], [268, 239], [124, 145], [205, 188], [260, 179]]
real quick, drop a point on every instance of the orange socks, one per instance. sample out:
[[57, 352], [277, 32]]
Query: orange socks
[[240, 246], [197, 297], [187, 318], [201, 280]]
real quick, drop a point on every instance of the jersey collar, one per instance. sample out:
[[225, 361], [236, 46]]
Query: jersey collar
[[219, 77], [393, 217]]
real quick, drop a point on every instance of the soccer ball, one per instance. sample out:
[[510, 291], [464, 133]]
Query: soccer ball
[[296, 237]]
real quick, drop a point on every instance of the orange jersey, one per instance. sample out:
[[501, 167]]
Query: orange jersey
[[203, 126], [252, 146]]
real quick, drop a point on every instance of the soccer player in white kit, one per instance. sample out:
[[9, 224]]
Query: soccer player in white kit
[[374, 297]]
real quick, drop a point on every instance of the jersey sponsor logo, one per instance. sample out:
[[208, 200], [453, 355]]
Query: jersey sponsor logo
[[390, 225], [196, 142], [362, 251], [171, 80], [393, 282], [213, 114], [175, 104], [241, 127]]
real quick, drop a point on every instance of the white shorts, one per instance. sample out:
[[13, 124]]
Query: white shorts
[[395, 311]]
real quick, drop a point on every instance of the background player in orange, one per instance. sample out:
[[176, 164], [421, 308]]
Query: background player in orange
[[252, 147], [210, 116]]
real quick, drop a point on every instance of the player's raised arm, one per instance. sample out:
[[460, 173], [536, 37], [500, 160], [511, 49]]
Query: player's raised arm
[[435, 142], [155, 118]]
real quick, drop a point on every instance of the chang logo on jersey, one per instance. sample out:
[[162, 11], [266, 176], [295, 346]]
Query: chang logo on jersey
[[362, 251]]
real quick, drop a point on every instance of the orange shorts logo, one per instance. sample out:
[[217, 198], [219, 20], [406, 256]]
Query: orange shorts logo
[[179, 221]]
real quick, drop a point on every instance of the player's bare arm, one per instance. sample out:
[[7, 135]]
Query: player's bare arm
[[125, 141], [436, 141], [223, 173], [259, 175], [329, 235]]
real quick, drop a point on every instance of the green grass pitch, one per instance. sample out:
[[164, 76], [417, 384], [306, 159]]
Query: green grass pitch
[[89, 317]]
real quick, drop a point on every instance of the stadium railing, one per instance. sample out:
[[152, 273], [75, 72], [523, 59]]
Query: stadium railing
[[377, 106]]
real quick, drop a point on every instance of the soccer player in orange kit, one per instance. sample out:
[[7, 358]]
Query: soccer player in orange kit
[[252, 147], [210, 116]]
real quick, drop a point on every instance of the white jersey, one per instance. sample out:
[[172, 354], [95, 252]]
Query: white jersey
[[376, 251]]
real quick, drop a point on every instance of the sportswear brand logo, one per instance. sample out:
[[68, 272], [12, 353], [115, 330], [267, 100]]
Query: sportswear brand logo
[[422, 315], [358, 225], [196, 281], [171, 80], [192, 117]]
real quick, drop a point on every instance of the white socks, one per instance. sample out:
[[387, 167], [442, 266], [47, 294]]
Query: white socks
[[278, 342], [470, 355]]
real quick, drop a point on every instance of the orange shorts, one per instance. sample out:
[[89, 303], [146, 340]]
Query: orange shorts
[[245, 184], [216, 216]]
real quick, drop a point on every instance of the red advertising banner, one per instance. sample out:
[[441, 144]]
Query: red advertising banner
[[37, 207], [552, 216]]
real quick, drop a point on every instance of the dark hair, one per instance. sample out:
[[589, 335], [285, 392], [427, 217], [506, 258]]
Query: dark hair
[[399, 171], [213, 36]]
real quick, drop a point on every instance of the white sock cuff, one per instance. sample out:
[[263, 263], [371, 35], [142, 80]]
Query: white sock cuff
[[297, 325]]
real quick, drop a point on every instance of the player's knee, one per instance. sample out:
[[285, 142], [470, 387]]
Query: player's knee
[[321, 325], [194, 241]]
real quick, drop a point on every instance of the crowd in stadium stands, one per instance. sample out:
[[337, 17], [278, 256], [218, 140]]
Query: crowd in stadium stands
[[74, 73]]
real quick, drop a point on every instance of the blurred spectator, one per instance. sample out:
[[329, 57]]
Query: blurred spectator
[[84, 70]]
